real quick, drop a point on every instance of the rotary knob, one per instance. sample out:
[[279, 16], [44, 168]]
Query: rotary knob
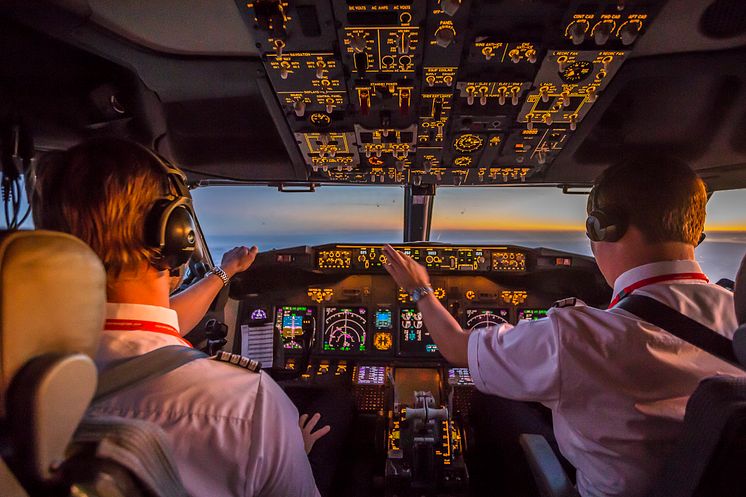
[[629, 33], [577, 33], [444, 36], [602, 32], [450, 6]]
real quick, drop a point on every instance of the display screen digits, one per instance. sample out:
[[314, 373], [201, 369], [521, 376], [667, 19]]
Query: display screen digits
[[415, 338], [532, 314], [370, 375], [293, 323]]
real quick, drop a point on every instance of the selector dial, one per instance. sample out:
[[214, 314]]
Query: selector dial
[[577, 71], [468, 143], [444, 36]]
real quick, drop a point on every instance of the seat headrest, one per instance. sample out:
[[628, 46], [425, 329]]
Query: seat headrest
[[739, 295], [52, 299]]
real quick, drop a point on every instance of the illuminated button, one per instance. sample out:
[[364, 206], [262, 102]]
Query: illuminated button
[[470, 295]]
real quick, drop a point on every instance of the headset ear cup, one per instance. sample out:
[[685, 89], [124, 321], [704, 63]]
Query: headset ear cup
[[601, 227], [180, 237]]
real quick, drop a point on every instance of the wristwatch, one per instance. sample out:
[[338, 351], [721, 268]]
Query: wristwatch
[[418, 293], [218, 271]]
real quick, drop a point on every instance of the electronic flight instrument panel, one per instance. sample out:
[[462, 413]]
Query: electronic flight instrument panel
[[331, 316], [439, 91]]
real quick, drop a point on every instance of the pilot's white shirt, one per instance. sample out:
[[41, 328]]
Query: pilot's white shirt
[[617, 386], [233, 432]]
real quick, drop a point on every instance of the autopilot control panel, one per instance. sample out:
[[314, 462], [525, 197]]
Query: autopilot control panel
[[457, 92]]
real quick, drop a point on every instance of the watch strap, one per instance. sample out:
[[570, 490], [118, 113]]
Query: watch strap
[[220, 273]]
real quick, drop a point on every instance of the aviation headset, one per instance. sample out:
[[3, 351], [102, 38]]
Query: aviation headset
[[608, 224], [604, 225], [170, 226]]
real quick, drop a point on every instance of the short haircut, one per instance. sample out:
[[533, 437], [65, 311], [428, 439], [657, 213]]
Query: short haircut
[[662, 197], [101, 191]]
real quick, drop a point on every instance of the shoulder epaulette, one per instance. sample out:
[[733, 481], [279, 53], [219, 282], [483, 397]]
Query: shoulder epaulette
[[568, 302], [238, 360]]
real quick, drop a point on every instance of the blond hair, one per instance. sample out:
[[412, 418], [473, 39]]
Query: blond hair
[[101, 191], [663, 197]]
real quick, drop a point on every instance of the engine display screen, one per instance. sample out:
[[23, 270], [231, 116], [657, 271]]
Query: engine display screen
[[370, 375], [345, 329], [414, 338], [383, 319], [293, 323], [532, 314], [484, 318]]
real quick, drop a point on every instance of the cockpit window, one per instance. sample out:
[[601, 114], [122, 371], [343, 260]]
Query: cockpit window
[[544, 217], [263, 216]]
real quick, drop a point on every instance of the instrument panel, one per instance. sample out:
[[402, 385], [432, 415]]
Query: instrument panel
[[461, 92], [336, 301]]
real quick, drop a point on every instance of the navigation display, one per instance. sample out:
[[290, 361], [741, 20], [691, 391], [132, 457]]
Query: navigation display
[[532, 314], [370, 375], [484, 318], [293, 323], [414, 337], [345, 329]]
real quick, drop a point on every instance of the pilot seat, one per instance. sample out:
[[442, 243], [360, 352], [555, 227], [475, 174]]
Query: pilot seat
[[52, 309]]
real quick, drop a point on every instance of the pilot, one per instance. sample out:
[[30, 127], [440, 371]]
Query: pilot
[[233, 432], [617, 386]]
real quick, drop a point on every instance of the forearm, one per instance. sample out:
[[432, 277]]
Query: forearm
[[192, 304], [451, 339]]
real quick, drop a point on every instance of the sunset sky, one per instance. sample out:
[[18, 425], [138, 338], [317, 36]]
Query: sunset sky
[[246, 210]]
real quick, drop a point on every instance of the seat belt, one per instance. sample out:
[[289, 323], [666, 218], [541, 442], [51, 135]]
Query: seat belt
[[155, 363], [681, 326]]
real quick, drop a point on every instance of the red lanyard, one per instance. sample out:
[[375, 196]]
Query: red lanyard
[[656, 279], [152, 326]]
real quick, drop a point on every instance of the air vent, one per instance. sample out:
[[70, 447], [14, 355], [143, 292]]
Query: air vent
[[724, 19]]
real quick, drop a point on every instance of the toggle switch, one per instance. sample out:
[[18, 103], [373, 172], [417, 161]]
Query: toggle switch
[[299, 106]]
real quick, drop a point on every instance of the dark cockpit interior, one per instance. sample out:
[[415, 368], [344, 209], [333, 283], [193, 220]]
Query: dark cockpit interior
[[419, 95]]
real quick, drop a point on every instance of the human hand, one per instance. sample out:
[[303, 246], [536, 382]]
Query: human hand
[[238, 259], [407, 273], [306, 429]]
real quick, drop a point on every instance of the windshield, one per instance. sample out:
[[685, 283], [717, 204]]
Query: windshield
[[532, 217], [545, 217], [263, 216]]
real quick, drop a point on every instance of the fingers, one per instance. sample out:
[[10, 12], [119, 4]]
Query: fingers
[[308, 428], [320, 433], [302, 420]]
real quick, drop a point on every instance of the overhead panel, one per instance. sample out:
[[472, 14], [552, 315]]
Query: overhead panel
[[454, 92]]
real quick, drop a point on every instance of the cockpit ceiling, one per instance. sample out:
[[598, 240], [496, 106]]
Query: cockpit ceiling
[[485, 99]]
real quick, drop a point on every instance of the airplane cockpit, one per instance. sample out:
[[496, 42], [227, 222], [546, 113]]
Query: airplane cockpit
[[415, 97]]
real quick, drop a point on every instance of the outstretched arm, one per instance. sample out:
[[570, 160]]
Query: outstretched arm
[[192, 304], [451, 339]]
